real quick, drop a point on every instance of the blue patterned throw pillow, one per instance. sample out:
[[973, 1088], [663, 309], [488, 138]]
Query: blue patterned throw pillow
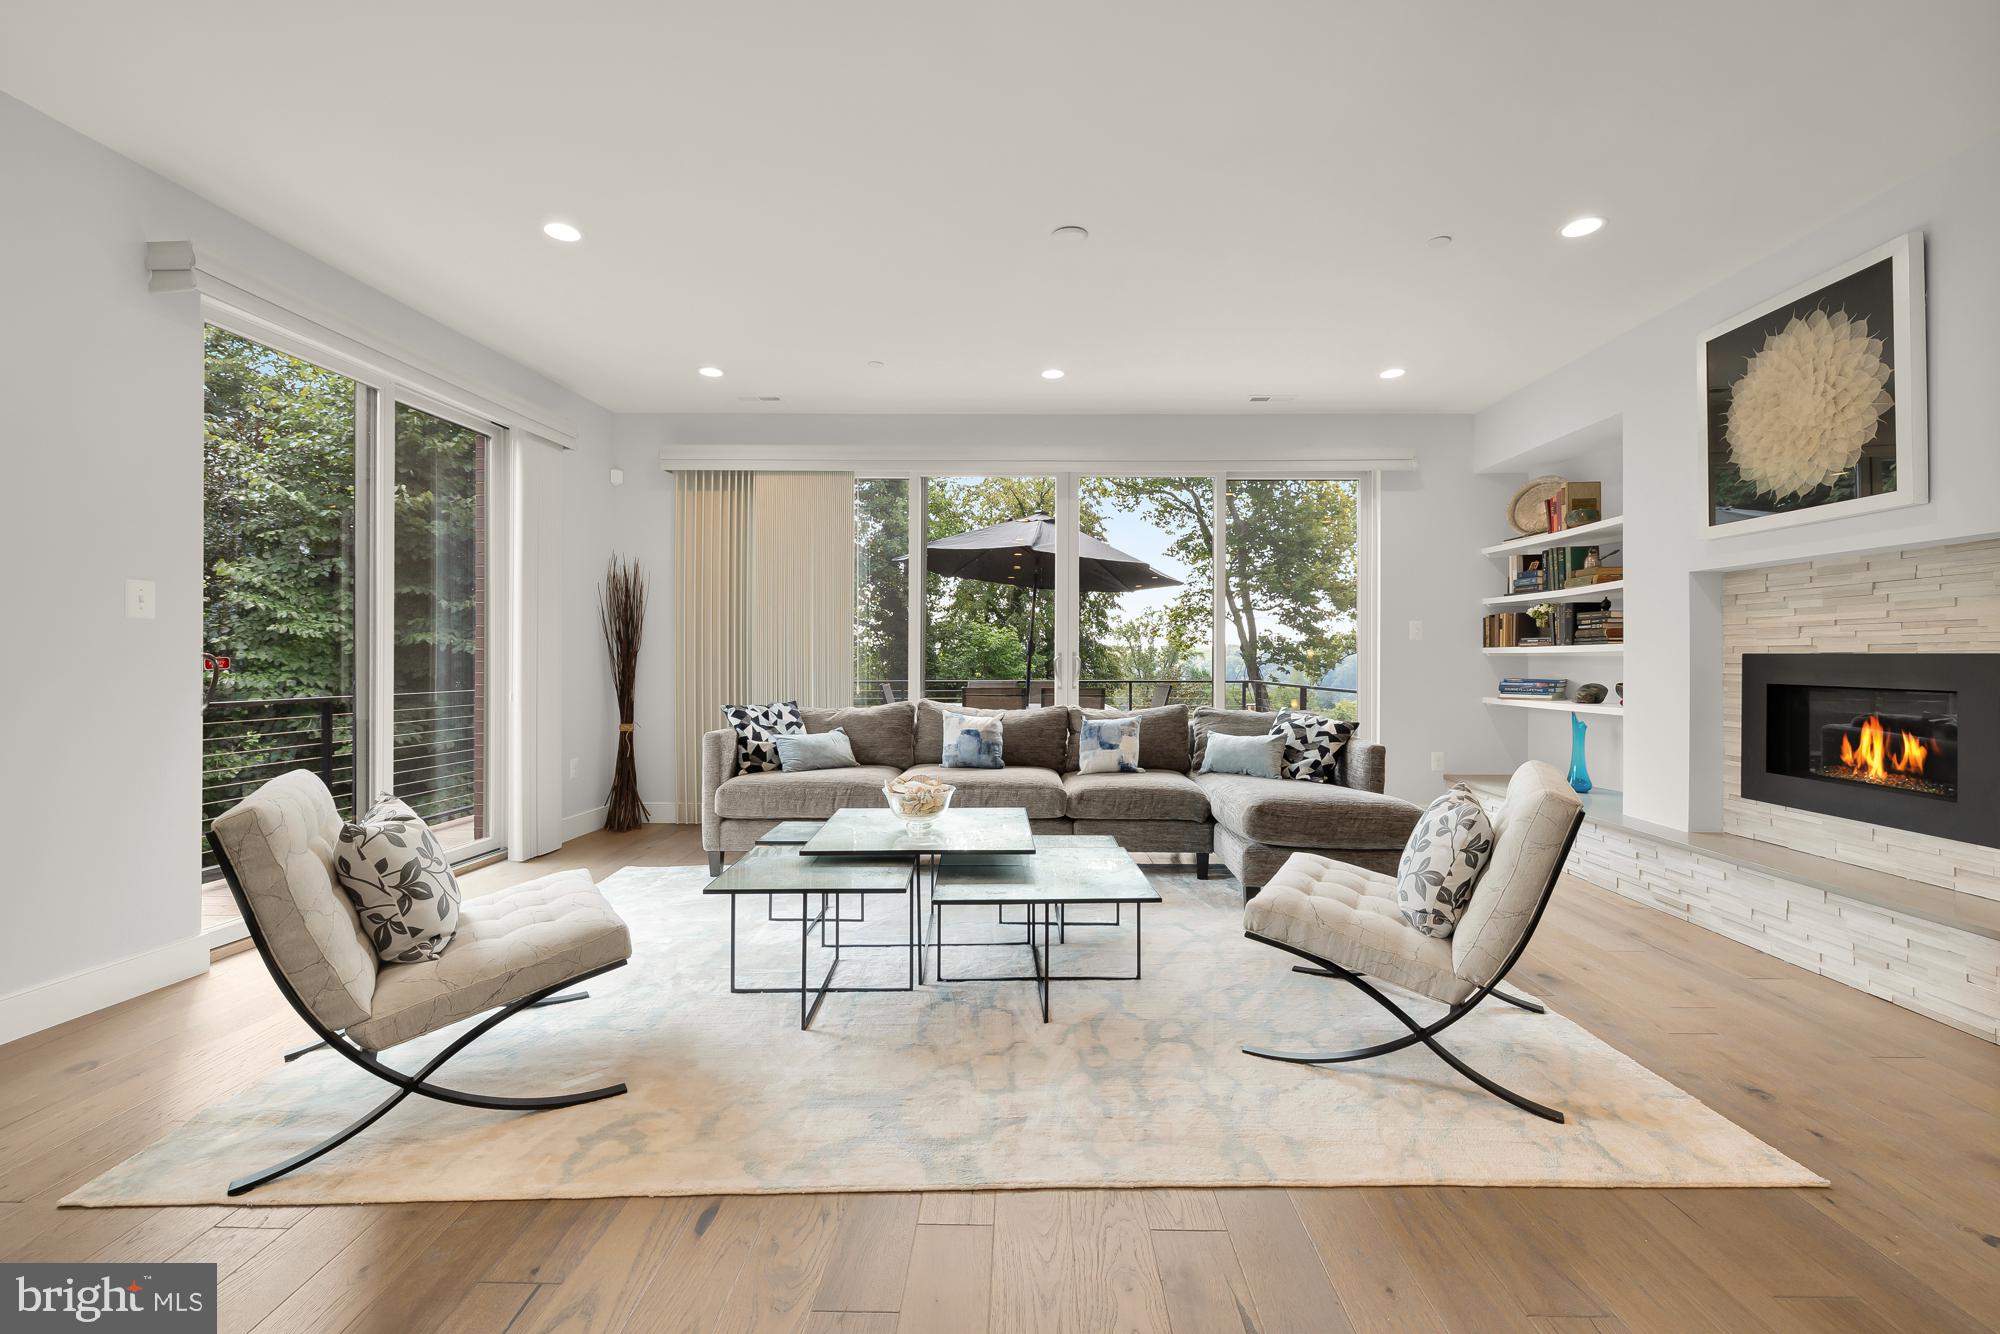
[[1108, 746], [971, 742]]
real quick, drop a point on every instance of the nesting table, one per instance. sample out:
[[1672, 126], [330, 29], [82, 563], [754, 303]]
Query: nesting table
[[962, 859]]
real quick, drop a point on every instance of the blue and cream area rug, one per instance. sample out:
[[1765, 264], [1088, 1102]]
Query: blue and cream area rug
[[958, 1086]]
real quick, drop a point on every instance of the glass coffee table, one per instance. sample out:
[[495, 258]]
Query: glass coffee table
[[775, 871], [880, 832], [1061, 871]]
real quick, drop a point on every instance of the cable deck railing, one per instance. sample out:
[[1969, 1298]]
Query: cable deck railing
[[434, 764]]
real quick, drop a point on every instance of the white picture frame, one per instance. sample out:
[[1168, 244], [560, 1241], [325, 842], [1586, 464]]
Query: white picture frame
[[1909, 383]]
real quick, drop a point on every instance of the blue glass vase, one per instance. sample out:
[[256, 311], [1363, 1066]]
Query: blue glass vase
[[1579, 772]]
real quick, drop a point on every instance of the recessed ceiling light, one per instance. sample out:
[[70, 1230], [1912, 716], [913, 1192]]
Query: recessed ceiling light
[[1393, 373], [1576, 227], [1052, 374], [1439, 242], [712, 372], [562, 231], [1070, 233], [874, 365]]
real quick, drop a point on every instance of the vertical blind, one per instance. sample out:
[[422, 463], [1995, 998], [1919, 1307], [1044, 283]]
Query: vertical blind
[[764, 600]]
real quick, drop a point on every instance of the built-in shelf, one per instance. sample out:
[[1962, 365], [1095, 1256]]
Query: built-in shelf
[[1584, 534], [1557, 705], [1552, 651], [1588, 593]]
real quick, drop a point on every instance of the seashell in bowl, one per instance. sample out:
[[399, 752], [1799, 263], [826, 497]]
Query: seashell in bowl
[[918, 801]]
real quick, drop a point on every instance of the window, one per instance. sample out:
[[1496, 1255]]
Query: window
[[346, 620], [1145, 631], [881, 589], [989, 591], [1289, 595], [278, 576], [1148, 621]]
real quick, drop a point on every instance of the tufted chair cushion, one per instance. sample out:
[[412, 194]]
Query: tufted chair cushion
[[1528, 836], [511, 943], [1349, 915], [280, 841]]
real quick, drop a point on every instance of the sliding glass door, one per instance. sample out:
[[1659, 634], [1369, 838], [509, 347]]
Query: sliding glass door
[[350, 555], [440, 620]]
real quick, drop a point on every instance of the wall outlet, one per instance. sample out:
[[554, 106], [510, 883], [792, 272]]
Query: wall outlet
[[574, 765], [139, 599], [1416, 629], [1437, 761]]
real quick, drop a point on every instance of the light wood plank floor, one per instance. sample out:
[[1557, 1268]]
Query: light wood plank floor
[[1901, 1114]]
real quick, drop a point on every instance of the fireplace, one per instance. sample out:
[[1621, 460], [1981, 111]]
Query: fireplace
[[1908, 740]]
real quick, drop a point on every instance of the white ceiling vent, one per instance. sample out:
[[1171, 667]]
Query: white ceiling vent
[[1272, 398]]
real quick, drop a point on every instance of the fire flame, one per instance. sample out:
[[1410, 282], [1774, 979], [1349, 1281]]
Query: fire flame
[[1871, 760]]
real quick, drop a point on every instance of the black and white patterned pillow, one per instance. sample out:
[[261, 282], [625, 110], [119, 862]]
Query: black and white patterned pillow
[[1312, 744], [757, 728], [392, 870], [1441, 863]]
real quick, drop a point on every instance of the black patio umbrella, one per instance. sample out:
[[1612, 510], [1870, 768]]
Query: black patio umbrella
[[1023, 552]]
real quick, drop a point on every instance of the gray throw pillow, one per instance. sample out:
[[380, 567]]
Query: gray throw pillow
[[1256, 756], [1441, 863], [820, 750], [394, 873]]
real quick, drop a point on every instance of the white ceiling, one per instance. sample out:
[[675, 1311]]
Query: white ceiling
[[790, 190]]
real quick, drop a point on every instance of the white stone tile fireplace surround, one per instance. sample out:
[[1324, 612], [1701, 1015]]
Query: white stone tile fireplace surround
[[1909, 917]]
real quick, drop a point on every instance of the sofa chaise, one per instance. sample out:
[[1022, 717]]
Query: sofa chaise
[[1253, 824]]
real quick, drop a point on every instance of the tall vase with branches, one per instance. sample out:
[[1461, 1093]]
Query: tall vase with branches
[[621, 608]]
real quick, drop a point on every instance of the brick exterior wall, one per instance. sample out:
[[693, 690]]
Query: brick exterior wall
[[1929, 600]]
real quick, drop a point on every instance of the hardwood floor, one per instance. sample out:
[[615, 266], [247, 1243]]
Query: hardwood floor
[[1900, 1113]]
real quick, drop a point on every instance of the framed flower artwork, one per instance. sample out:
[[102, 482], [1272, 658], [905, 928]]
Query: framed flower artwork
[[1813, 404]]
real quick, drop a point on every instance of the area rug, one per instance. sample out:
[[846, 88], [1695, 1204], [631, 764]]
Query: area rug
[[960, 1085]]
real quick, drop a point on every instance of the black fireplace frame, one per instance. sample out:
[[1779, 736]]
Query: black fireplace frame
[[1974, 817]]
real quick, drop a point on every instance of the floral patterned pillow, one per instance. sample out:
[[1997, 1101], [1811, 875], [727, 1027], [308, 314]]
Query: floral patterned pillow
[[1441, 863], [394, 873]]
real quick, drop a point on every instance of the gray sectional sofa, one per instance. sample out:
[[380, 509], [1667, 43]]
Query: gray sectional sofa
[[1253, 824]]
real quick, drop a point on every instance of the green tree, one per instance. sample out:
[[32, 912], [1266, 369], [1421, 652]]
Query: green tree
[[1289, 581]]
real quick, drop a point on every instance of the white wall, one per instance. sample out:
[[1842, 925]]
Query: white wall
[[1646, 378], [1428, 691], [100, 421]]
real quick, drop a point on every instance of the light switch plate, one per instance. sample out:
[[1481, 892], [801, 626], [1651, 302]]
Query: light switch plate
[[1416, 629], [139, 599], [1437, 761]]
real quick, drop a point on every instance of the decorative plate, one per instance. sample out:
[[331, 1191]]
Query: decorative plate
[[1528, 510]]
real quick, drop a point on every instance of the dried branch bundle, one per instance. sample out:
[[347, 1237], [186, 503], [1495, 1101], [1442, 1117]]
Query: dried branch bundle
[[621, 608]]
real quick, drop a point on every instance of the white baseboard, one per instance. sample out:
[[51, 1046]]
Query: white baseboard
[[583, 822], [46, 1004]]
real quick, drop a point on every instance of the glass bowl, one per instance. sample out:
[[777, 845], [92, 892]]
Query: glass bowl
[[918, 810]]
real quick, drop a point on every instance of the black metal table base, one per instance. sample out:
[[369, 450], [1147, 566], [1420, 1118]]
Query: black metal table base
[[1046, 917], [811, 996]]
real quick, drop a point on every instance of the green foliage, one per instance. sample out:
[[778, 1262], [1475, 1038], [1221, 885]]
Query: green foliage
[[278, 522]]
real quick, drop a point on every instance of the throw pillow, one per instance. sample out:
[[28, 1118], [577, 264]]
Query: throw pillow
[[820, 750], [1312, 744], [757, 728], [394, 873], [1441, 863], [1108, 746], [971, 742], [1256, 756]]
